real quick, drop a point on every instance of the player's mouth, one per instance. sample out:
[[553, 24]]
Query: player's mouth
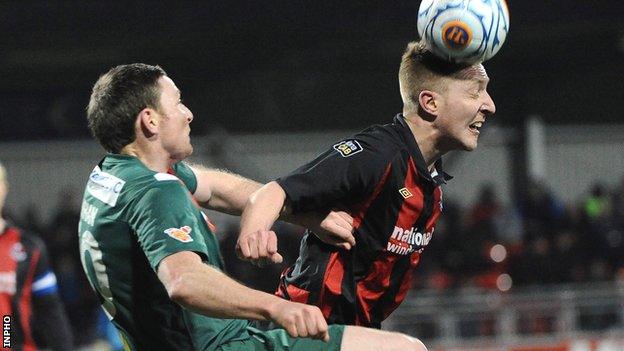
[[476, 126]]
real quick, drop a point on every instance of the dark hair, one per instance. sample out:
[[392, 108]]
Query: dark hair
[[117, 98]]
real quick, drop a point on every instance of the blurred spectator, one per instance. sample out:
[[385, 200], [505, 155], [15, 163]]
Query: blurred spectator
[[598, 204], [541, 212], [482, 232], [28, 289], [62, 239]]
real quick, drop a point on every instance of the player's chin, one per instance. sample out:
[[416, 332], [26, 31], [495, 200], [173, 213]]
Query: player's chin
[[469, 145], [182, 154]]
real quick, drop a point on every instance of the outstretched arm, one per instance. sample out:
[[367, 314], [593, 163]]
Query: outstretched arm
[[230, 193], [223, 191], [258, 243], [227, 192], [203, 289]]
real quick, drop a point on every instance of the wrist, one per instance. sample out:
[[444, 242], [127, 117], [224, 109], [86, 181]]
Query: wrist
[[271, 308]]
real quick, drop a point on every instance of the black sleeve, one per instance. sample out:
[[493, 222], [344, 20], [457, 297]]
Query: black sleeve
[[51, 324], [344, 174]]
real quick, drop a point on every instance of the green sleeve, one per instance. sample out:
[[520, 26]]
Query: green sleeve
[[166, 221], [186, 174]]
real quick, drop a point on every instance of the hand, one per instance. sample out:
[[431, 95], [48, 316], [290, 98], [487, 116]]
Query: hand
[[300, 320], [336, 229], [259, 247]]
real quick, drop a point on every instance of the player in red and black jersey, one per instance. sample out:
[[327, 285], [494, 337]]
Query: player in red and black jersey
[[388, 179], [28, 290]]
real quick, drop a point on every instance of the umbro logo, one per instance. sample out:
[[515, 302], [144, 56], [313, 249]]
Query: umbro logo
[[405, 193]]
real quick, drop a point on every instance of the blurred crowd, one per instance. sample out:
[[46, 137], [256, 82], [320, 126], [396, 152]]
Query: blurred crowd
[[538, 240]]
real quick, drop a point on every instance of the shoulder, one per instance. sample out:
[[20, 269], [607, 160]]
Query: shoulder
[[383, 137], [377, 142], [29, 240], [132, 177]]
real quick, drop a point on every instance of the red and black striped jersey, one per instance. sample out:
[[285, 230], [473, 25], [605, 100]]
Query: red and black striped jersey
[[24, 277], [380, 177]]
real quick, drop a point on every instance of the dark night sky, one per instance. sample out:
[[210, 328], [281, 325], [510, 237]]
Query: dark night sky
[[261, 66]]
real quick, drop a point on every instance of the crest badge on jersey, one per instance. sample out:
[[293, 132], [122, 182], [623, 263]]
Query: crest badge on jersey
[[18, 253], [182, 234], [405, 193], [348, 147]]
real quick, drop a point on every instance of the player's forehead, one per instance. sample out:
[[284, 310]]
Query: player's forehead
[[167, 86], [474, 72]]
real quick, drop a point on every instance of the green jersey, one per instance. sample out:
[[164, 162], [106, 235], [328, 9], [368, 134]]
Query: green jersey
[[132, 218]]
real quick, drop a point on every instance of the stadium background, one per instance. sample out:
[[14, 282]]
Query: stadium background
[[271, 83]]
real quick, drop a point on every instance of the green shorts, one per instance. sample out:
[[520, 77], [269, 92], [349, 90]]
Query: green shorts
[[279, 340]]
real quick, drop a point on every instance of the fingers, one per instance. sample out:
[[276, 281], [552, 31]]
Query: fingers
[[260, 250], [338, 231], [317, 327], [346, 220], [271, 244], [346, 217], [339, 224], [276, 258], [259, 247], [242, 249], [304, 321]]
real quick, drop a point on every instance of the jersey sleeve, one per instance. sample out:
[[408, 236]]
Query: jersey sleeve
[[186, 175], [344, 174], [44, 281], [166, 221]]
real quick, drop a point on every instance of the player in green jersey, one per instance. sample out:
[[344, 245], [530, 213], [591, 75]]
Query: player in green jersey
[[149, 251]]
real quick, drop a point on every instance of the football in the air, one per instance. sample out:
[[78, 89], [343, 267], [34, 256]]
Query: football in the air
[[466, 31]]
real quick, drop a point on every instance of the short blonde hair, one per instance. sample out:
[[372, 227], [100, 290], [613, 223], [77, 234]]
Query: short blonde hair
[[421, 70]]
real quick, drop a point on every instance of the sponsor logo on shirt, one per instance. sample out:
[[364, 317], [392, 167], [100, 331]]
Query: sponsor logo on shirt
[[405, 241], [348, 147], [182, 234], [104, 187], [405, 193]]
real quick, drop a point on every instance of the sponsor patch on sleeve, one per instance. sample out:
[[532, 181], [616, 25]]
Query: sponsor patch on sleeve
[[104, 186], [182, 234], [348, 147]]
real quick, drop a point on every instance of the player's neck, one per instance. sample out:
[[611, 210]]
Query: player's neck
[[156, 160], [2, 225], [425, 136]]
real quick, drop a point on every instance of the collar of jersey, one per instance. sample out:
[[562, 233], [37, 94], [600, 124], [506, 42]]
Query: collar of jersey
[[441, 177]]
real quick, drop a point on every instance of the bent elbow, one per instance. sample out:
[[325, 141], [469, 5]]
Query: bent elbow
[[180, 290]]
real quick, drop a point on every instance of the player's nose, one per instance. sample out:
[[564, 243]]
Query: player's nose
[[488, 105], [189, 115]]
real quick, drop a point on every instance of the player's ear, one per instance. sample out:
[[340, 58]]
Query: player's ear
[[429, 101], [148, 121]]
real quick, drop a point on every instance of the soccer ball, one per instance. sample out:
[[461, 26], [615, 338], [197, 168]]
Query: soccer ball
[[466, 31]]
